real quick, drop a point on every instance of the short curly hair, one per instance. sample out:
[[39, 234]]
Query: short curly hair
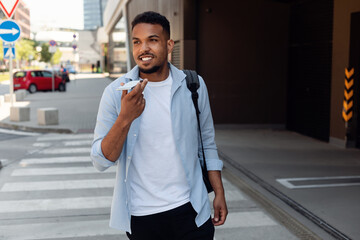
[[152, 18]]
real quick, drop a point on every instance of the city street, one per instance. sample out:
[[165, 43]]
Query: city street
[[285, 109], [50, 190], [48, 182]]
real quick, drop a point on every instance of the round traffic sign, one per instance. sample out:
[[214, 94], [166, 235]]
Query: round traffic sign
[[52, 43], [9, 31]]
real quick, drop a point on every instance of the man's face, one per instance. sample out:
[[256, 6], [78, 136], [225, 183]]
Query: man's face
[[151, 47]]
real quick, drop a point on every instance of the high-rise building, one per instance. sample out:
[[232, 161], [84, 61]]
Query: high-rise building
[[93, 13]]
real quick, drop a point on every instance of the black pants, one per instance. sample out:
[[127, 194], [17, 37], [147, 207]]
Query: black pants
[[175, 224]]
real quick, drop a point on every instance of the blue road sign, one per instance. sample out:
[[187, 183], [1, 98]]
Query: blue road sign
[[52, 43], [9, 31], [9, 50]]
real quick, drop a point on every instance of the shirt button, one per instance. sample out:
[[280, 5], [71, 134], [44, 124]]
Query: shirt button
[[125, 180], [134, 135], [129, 157]]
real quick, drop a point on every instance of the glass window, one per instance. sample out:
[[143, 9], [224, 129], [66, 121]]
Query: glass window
[[19, 74], [46, 74], [36, 74]]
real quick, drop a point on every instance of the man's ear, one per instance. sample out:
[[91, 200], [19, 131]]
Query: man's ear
[[170, 45]]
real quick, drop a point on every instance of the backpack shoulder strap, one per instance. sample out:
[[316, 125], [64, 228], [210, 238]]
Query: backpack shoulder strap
[[192, 82]]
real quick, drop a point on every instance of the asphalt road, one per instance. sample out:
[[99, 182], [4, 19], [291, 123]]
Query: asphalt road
[[50, 190]]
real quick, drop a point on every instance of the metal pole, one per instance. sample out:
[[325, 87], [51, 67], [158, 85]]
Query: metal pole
[[53, 75], [53, 79], [11, 78]]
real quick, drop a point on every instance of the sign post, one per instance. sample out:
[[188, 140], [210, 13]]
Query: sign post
[[9, 53], [74, 46], [11, 80], [9, 33], [52, 50]]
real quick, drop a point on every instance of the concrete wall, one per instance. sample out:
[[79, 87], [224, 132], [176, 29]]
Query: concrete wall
[[341, 46], [243, 54]]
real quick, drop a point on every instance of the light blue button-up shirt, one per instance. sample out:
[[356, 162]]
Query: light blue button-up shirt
[[184, 126]]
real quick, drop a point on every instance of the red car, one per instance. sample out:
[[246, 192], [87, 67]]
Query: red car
[[34, 80]]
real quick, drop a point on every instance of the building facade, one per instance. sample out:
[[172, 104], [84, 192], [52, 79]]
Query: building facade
[[22, 17], [268, 63], [93, 13]]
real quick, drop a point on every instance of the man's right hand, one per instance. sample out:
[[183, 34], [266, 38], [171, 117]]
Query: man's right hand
[[133, 103]]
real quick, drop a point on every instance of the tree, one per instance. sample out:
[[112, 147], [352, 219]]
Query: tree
[[45, 55], [24, 49], [56, 57]]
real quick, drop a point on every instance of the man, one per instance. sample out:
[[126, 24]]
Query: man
[[159, 191]]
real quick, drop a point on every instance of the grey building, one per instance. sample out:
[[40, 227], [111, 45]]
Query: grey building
[[93, 13]]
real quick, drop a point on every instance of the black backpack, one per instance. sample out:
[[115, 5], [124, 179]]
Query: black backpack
[[192, 82]]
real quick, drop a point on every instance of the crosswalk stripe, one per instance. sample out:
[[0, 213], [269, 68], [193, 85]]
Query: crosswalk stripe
[[41, 144], [57, 185], [78, 143], [247, 219], [65, 150], [28, 161], [37, 231], [58, 171], [58, 137], [54, 204]]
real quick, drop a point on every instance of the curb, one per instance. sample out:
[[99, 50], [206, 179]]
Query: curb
[[34, 129]]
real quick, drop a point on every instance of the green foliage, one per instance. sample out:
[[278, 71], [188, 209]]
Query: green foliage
[[25, 48], [45, 55], [56, 57]]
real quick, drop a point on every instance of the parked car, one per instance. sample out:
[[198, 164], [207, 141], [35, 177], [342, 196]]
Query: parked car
[[37, 80]]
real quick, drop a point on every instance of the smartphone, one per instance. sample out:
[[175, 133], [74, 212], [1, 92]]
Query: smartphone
[[128, 86]]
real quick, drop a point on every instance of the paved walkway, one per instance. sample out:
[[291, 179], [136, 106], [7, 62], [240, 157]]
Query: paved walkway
[[296, 177], [77, 106]]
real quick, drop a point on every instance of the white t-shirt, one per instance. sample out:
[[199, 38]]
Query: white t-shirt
[[156, 174]]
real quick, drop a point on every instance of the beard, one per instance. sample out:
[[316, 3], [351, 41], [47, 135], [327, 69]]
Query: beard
[[151, 70]]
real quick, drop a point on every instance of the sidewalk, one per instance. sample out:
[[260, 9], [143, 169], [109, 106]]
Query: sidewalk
[[306, 178], [298, 178], [77, 106]]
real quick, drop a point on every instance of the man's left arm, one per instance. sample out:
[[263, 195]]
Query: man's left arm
[[213, 163], [219, 203]]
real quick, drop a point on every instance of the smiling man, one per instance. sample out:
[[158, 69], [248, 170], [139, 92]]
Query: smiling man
[[159, 191]]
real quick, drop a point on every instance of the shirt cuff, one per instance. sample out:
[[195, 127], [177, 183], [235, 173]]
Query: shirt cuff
[[214, 164], [98, 159]]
